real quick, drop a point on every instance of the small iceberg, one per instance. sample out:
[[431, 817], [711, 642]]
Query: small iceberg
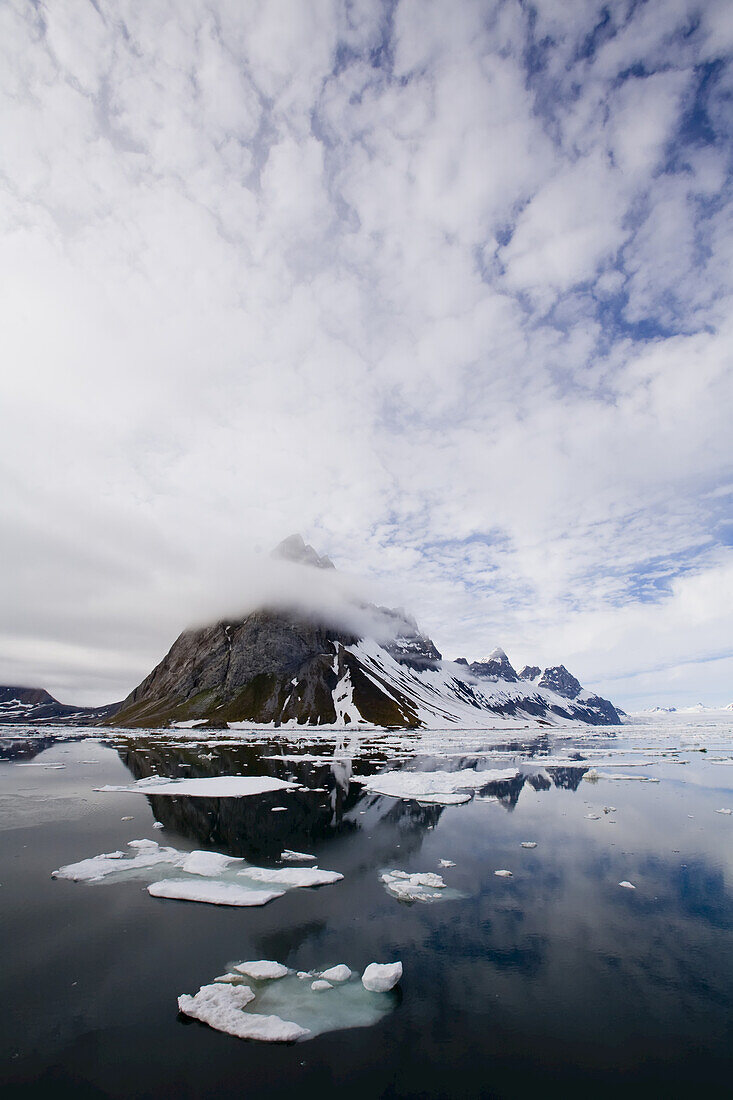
[[426, 886], [448, 788], [381, 977], [503, 873], [268, 1002], [296, 857], [446, 863], [219, 786], [208, 876], [627, 885], [724, 810], [528, 844]]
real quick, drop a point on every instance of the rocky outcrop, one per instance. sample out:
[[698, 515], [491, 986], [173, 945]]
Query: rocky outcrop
[[529, 672], [559, 680], [496, 667]]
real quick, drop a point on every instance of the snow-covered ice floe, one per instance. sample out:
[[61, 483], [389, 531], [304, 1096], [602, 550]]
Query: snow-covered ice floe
[[268, 1002], [444, 787], [627, 885], [420, 886], [296, 857], [207, 876], [218, 786]]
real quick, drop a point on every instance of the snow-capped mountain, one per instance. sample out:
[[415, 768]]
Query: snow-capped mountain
[[19, 705], [276, 667]]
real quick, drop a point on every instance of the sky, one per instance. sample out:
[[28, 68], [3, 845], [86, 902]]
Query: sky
[[444, 285]]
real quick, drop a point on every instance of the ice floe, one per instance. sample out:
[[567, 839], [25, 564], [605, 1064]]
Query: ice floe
[[424, 886], [262, 969], [218, 786], [211, 891], [296, 857], [528, 844], [724, 810], [214, 878], [446, 863], [436, 786], [381, 977], [627, 885], [503, 873], [269, 1002]]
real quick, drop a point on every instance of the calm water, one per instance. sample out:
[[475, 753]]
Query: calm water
[[554, 979]]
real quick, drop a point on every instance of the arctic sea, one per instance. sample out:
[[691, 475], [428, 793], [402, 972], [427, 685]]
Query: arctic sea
[[599, 963]]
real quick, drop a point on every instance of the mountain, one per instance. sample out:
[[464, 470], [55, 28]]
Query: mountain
[[22, 705], [277, 667]]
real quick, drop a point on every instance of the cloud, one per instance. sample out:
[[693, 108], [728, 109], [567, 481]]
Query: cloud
[[452, 297]]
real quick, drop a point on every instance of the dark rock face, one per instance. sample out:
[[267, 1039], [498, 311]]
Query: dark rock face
[[559, 680], [495, 667], [460, 661], [409, 646], [529, 672]]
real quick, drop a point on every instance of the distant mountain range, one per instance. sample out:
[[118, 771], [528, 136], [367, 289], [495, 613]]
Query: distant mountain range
[[277, 667], [21, 705]]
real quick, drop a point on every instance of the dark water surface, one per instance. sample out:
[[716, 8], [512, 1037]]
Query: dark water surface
[[555, 979]]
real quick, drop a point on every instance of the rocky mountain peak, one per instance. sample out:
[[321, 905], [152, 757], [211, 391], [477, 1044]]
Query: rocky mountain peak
[[294, 548], [562, 682], [530, 672], [496, 666]]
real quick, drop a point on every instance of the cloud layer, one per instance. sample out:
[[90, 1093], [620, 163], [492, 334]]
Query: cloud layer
[[451, 296]]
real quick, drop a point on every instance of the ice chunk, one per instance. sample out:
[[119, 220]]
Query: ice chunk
[[221, 1007], [627, 885], [212, 891], [724, 810], [296, 857], [319, 985], [437, 786], [446, 863], [592, 817], [529, 844], [415, 887], [218, 786], [148, 854], [340, 973], [503, 874], [158, 825], [381, 977], [293, 876], [262, 969], [208, 863]]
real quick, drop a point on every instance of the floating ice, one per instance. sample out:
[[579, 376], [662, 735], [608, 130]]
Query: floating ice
[[503, 874], [415, 887], [437, 786], [724, 810], [381, 977], [221, 1007], [446, 863], [219, 786], [296, 857], [592, 817], [293, 876], [627, 885], [528, 844], [214, 878], [262, 969], [211, 891], [340, 973], [293, 1006]]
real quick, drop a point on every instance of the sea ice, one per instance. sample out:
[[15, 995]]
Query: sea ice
[[319, 985], [414, 887], [528, 844], [446, 863], [208, 863], [293, 876], [503, 874], [219, 786], [627, 885], [221, 1007], [381, 977], [437, 786], [212, 891], [340, 973], [296, 857], [262, 969], [147, 854], [724, 810]]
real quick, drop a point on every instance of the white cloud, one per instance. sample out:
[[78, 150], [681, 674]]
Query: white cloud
[[258, 281]]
